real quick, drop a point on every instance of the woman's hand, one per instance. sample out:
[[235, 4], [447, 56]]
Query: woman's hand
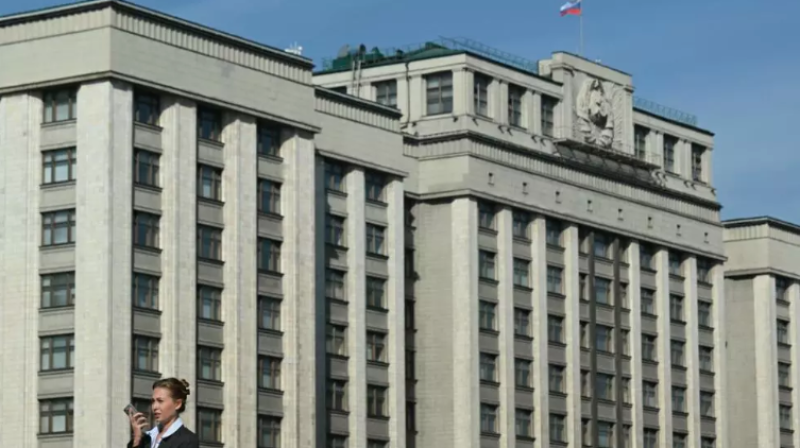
[[138, 423]]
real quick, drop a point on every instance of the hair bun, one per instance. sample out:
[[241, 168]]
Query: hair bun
[[185, 385]]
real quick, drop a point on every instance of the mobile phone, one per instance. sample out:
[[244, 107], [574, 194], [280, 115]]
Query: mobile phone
[[130, 409]]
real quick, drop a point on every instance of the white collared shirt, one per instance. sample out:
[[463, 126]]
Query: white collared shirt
[[153, 433]]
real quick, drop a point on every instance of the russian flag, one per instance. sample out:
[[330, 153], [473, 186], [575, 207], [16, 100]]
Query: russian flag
[[571, 8]]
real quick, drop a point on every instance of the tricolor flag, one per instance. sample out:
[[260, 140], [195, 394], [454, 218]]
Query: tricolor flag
[[571, 8]]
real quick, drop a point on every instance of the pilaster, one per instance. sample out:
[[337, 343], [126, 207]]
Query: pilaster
[[635, 344], [664, 348], [534, 115], [572, 310], [462, 92], [500, 101], [766, 346], [417, 98], [505, 318], [692, 351], [396, 318], [720, 357], [794, 298], [541, 405]]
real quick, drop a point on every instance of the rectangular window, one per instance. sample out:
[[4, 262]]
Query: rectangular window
[[486, 316], [650, 438], [626, 390], [554, 279], [706, 359], [269, 432], [375, 184], [522, 269], [785, 417], [523, 419], [269, 255], [439, 93], [337, 441], [548, 115], [146, 168], [521, 225], [146, 229], [522, 373], [646, 253], [209, 243], [515, 96], [676, 308], [59, 165], [555, 329], [336, 340], [55, 416], [269, 197], [486, 216], [604, 338], [334, 285], [488, 418], [60, 105], [488, 367], [481, 94], [377, 444], [640, 134], [411, 371], [708, 442], [556, 379], [584, 335], [781, 288], [648, 301], [376, 401], [145, 291], [553, 232], [146, 108], [58, 290], [557, 428], [386, 93], [58, 228], [411, 416], [269, 140], [678, 399], [605, 434], [376, 346], [486, 264], [334, 230], [209, 303], [269, 312], [604, 386], [649, 347], [334, 176], [601, 245], [375, 239], [210, 425], [269, 372], [784, 374], [57, 352], [783, 332], [586, 387], [522, 322], [376, 293], [625, 347], [697, 162], [650, 394], [209, 124], [676, 353], [209, 182], [410, 314], [602, 291], [707, 404], [145, 354], [704, 314], [337, 395], [209, 363], [678, 440], [704, 266], [669, 153], [675, 264]]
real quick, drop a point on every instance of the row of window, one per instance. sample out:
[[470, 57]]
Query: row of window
[[374, 182], [640, 138], [335, 235], [377, 398], [335, 288]]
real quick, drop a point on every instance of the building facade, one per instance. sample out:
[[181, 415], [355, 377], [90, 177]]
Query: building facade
[[762, 281], [456, 251]]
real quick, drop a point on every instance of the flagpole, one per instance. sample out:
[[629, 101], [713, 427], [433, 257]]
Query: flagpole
[[581, 32]]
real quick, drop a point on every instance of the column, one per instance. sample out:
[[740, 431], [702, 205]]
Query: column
[[300, 307], [20, 177], [356, 308], [635, 344], [708, 172], [657, 147], [178, 285], [541, 412], [572, 308], [534, 112], [505, 318], [416, 98], [720, 358], [403, 97], [395, 300], [766, 346], [462, 92], [466, 381], [663, 348], [240, 296], [564, 110], [103, 274], [692, 351], [794, 299], [499, 101]]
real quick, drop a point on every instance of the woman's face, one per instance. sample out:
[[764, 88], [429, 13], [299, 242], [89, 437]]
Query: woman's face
[[164, 406]]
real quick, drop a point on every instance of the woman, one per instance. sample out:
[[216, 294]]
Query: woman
[[169, 400]]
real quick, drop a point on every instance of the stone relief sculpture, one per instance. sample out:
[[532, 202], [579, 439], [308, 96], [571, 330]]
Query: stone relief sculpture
[[598, 109]]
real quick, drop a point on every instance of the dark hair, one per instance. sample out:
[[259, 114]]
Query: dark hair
[[178, 389]]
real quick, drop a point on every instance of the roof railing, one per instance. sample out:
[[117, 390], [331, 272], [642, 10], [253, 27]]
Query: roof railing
[[664, 111]]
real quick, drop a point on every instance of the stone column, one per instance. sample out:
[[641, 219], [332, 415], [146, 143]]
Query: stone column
[[395, 299], [104, 263], [793, 298], [720, 357], [635, 344], [417, 98], [534, 112], [766, 346], [505, 319], [462, 92], [572, 308], [356, 308], [692, 351], [564, 110], [403, 97], [499, 101], [664, 348], [541, 389]]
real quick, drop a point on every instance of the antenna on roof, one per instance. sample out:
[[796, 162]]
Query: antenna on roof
[[295, 49]]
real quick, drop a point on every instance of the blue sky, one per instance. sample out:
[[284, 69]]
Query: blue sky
[[735, 63]]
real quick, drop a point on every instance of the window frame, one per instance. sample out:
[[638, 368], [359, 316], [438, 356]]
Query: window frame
[[487, 314], [489, 418], [480, 94], [50, 101], [268, 140], [375, 239], [522, 273], [336, 335], [48, 350], [269, 197], [145, 291], [51, 163], [377, 401], [386, 92], [336, 396], [522, 373], [669, 144], [487, 265], [269, 373], [49, 414], [269, 313], [487, 371], [209, 124], [209, 298], [209, 177], [55, 281], [212, 236], [376, 347], [212, 417], [548, 107], [146, 100], [149, 347], [269, 430], [146, 230], [149, 161], [516, 98], [212, 356], [51, 224], [439, 93], [269, 255], [375, 185]]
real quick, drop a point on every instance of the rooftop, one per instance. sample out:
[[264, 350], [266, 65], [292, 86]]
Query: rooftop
[[761, 220]]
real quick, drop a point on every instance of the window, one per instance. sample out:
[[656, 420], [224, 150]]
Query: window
[[678, 399], [486, 315], [626, 390], [706, 359], [625, 347], [522, 322], [604, 338], [55, 416], [555, 329], [602, 291], [523, 422], [334, 176], [521, 224], [605, 434], [334, 231], [408, 260], [548, 115], [604, 386], [60, 105], [411, 371], [439, 93], [522, 270], [669, 153], [675, 262], [649, 347], [209, 303], [678, 440], [376, 348], [409, 314], [376, 401], [58, 228], [783, 332], [209, 362], [704, 266], [337, 441], [781, 288], [486, 264], [146, 168], [556, 379], [650, 438], [554, 276], [375, 183], [557, 428], [269, 312], [676, 308], [488, 418], [650, 394], [584, 335], [58, 290], [488, 368], [640, 134], [411, 416], [209, 124], [646, 257], [337, 395], [677, 353], [697, 162], [785, 417], [146, 229], [145, 354], [375, 293], [486, 216], [522, 373], [784, 375], [145, 291], [386, 93], [582, 286], [375, 239], [708, 442], [648, 301], [586, 387], [481, 94], [269, 372], [57, 352], [707, 404], [704, 314], [269, 432], [269, 197], [515, 95], [209, 243], [376, 444], [209, 182], [269, 255], [601, 245], [586, 432], [269, 140], [335, 340], [59, 165], [210, 423], [146, 108], [553, 232], [334, 285]]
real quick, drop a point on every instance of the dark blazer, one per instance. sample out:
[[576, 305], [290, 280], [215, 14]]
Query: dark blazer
[[182, 438]]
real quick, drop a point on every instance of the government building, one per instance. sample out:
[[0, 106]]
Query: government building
[[441, 246]]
